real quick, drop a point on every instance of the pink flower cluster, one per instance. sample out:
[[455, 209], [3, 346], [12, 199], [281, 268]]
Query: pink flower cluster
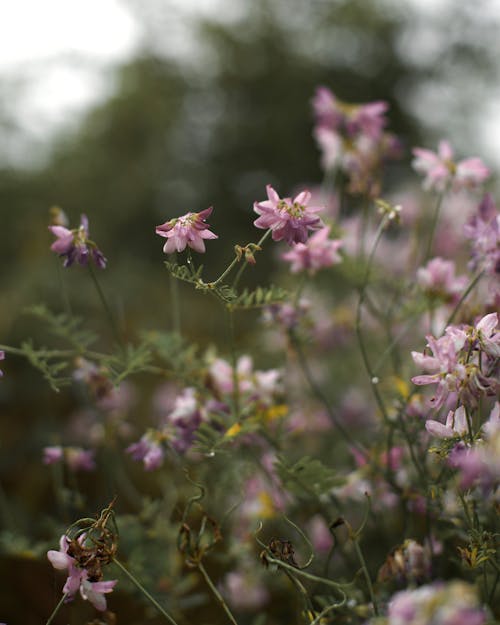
[[76, 458], [461, 362], [78, 578], [318, 252], [352, 139], [437, 279], [483, 230], [189, 230], [288, 219], [442, 172]]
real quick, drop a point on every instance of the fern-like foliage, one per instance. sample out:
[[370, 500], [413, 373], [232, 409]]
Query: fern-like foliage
[[307, 476], [49, 363], [259, 297], [133, 359], [64, 326]]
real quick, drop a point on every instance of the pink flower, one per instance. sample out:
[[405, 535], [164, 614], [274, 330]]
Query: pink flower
[[288, 219], [483, 229], [319, 251], [75, 245], [456, 425], [488, 335], [190, 230], [2, 357], [76, 458], [77, 579], [440, 170], [438, 278], [53, 455]]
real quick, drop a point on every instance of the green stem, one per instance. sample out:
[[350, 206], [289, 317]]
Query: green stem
[[64, 290], [216, 593], [466, 293], [144, 592], [362, 561], [56, 609], [302, 573], [362, 295], [435, 219], [175, 302], [234, 365], [319, 394], [106, 307], [244, 266]]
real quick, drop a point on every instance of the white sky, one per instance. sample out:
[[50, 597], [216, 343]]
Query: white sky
[[54, 53]]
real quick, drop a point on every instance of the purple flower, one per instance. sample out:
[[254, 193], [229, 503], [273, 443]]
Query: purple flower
[[288, 219], [2, 357], [441, 171], [149, 450], [318, 252], [76, 458], [75, 245], [483, 229], [52, 455], [190, 230]]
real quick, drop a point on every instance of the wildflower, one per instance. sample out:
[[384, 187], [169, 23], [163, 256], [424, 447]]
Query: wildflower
[[75, 245], [76, 458], [190, 230], [79, 579], [441, 171], [483, 229], [244, 590], [288, 219], [2, 357], [149, 450], [184, 420], [438, 279], [456, 425], [487, 334], [440, 604], [318, 252]]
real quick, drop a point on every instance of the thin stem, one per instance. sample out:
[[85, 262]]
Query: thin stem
[[216, 593], [144, 592], [465, 295], [435, 219], [319, 394], [362, 295], [302, 573], [362, 561], [234, 365], [244, 266], [56, 609], [64, 289], [106, 307], [175, 302]]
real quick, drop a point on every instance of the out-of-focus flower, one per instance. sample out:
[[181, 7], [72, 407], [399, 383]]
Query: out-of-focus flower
[[2, 357], [189, 230], [351, 139], [487, 334], [244, 591], [441, 171], [75, 245], [483, 229], [409, 562], [453, 603], [148, 449], [456, 425], [318, 252], [320, 536], [183, 421], [438, 279], [76, 458], [288, 219]]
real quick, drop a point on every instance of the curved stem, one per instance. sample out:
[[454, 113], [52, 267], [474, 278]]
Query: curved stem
[[106, 307], [217, 594], [435, 219], [144, 592], [362, 561], [56, 609]]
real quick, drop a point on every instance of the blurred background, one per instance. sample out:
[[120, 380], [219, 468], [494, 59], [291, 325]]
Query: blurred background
[[135, 111]]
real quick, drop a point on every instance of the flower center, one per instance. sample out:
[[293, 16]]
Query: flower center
[[293, 209]]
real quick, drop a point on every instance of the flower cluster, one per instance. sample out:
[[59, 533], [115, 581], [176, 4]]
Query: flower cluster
[[289, 220], [483, 230], [83, 564], [442, 172], [189, 230], [352, 140], [75, 245], [76, 458], [318, 252]]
